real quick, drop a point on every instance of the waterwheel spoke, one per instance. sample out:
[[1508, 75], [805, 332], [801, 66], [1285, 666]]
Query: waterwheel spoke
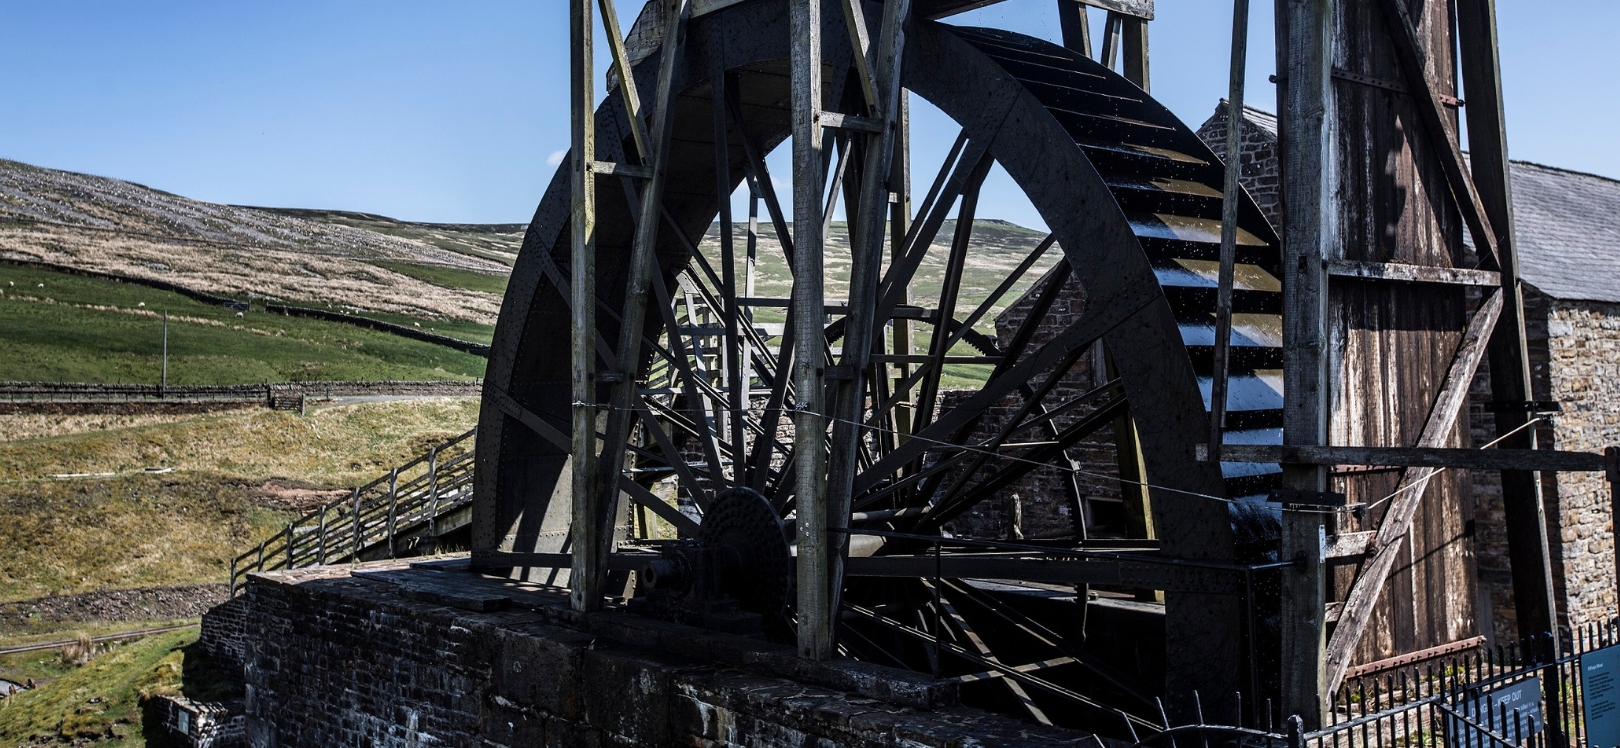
[[954, 620], [1012, 425], [952, 284], [981, 664], [1006, 476], [1045, 635]]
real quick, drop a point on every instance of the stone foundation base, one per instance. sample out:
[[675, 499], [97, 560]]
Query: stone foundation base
[[385, 654]]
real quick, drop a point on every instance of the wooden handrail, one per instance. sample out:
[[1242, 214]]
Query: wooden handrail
[[369, 515]]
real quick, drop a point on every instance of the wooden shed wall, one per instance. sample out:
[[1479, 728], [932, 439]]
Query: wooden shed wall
[[1393, 343]]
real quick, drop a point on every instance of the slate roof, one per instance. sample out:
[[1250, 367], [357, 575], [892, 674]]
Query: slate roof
[[1567, 224]]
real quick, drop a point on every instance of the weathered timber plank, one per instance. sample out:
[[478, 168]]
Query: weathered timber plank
[[1364, 594], [1395, 271], [1349, 544], [1528, 552], [585, 590], [1409, 52], [810, 427]]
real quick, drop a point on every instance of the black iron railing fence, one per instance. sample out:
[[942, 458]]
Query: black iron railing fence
[[1530, 696], [378, 519]]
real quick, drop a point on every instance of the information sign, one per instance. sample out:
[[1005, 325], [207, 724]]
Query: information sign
[[1600, 696]]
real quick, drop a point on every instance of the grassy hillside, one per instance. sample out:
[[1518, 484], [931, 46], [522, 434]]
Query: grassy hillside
[[490, 241], [80, 329], [128, 229], [232, 475]]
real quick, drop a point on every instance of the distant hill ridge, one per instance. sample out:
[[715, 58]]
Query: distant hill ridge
[[329, 257]]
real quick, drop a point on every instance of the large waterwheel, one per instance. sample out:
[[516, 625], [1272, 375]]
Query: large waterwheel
[[1133, 202]]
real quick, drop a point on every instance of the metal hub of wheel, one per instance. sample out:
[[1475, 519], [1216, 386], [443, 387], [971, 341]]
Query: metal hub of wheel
[[1133, 201]]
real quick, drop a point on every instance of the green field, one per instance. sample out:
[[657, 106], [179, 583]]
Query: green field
[[77, 329], [455, 328], [448, 277]]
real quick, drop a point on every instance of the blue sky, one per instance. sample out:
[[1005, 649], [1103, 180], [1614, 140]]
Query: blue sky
[[439, 111]]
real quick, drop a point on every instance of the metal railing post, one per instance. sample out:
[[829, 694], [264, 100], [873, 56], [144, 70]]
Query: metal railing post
[[355, 556], [393, 505], [433, 499], [320, 538]]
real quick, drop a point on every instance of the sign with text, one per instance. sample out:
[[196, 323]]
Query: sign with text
[[1512, 711], [1600, 696]]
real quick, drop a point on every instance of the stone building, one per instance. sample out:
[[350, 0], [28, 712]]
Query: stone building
[[1567, 230]]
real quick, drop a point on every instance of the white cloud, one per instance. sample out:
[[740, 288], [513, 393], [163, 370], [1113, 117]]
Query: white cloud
[[556, 157]]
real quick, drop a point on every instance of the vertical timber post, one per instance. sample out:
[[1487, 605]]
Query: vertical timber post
[[1135, 48], [809, 311], [1528, 553], [584, 582], [1304, 591], [1309, 171], [1231, 194], [393, 508], [1076, 26], [354, 555]]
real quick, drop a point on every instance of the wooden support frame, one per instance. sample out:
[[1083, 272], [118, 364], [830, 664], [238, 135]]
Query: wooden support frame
[[1076, 26], [1409, 53], [868, 219], [610, 461], [584, 587], [1308, 130], [1437, 457], [1529, 554], [810, 421], [1389, 271], [1230, 197]]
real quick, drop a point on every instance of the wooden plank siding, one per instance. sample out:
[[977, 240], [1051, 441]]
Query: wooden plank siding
[[1393, 342]]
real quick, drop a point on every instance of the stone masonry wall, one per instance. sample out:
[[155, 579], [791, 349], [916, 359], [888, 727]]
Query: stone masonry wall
[[1575, 360], [224, 634], [1046, 505], [1583, 347], [346, 660]]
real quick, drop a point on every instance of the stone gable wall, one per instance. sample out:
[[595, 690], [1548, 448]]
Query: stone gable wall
[[1261, 173]]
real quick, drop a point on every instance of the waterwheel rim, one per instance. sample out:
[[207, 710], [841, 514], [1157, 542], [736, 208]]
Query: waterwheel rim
[[1130, 195]]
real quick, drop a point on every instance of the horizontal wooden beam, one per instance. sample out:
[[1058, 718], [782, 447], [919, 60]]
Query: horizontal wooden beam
[[841, 121], [615, 169], [616, 561], [1144, 574], [1391, 271], [1349, 544], [1435, 457]]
